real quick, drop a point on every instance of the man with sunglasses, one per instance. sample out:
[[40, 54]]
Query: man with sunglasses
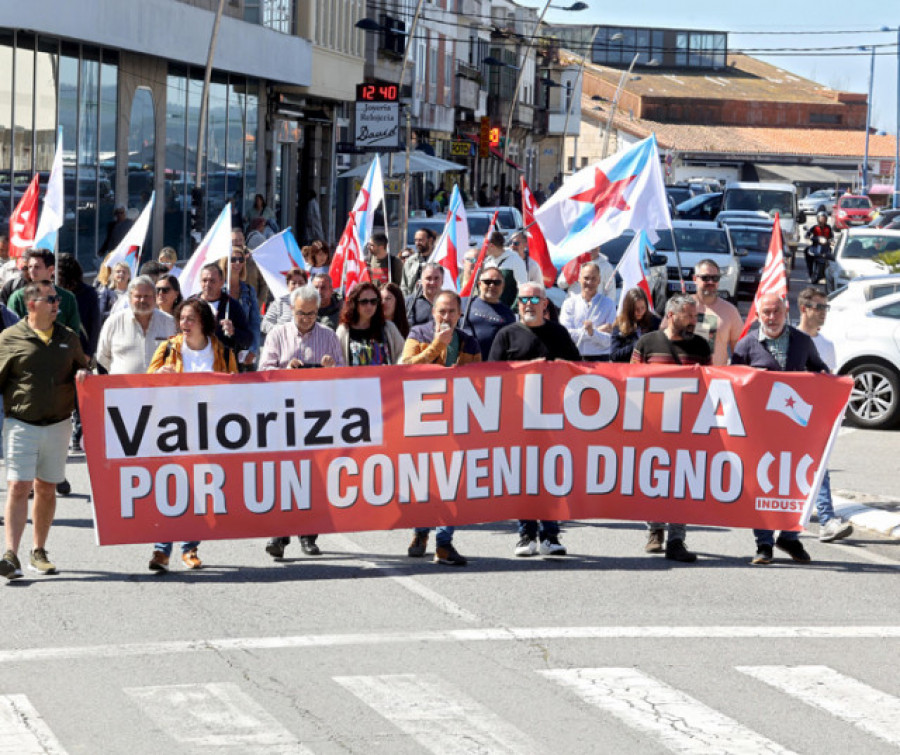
[[41, 265], [40, 360], [485, 314], [534, 337], [718, 321]]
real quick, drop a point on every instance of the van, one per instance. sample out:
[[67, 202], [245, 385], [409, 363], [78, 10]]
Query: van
[[743, 196]]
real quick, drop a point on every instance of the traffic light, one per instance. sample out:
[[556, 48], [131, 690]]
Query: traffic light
[[484, 140], [495, 136]]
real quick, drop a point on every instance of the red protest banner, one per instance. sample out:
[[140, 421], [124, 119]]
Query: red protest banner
[[207, 456]]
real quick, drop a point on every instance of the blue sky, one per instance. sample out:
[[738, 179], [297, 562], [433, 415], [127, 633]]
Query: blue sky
[[850, 73]]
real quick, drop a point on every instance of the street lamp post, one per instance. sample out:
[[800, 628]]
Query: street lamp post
[[615, 105], [865, 170], [565, 133], [896, 198]]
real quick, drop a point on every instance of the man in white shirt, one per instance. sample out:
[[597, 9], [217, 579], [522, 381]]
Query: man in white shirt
[[589, 316], [813, 311], [129, 338]]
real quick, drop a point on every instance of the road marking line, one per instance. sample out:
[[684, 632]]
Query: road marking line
[[438, 716], [682, 723], [867, 708], [215, 715], [497, 634], [411, 583], [23, 731]]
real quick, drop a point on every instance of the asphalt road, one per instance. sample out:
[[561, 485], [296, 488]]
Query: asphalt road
[[364, 650]]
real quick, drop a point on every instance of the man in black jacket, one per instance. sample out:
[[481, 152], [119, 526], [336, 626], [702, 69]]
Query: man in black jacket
[[231, 323], [534, 337]]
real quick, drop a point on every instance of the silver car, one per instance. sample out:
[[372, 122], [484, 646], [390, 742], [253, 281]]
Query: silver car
[[819, 201]]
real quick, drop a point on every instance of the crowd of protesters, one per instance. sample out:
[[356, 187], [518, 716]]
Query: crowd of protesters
[[54, 334]]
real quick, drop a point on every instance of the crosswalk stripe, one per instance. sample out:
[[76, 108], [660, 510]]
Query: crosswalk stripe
[[439, 717], [215, 715], [23, 731], [680, 722], [867, 708]]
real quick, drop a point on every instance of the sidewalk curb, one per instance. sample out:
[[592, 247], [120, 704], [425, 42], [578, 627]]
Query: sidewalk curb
[[884, 522]]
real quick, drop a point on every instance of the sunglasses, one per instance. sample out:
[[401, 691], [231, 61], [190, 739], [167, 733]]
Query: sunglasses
[[529, 300], [492, 281], [710, 278], [373, 302], [820, 307], [52, 299], [238, 259], [163, 290]]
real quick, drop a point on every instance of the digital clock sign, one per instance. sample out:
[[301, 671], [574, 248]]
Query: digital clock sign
[[377, 93]]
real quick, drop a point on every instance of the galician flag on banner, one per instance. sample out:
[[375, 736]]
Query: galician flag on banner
[[633, 270], [772, 280], [454, 241], [600, 202], [129, 248], [371, 194], [53, 211], [275, 257], [214, 246], [23, 221]]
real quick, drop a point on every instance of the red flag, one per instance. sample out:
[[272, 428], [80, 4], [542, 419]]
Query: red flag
[[537, 244], [572, 267], [467, 289], [23, 221], [773, 280], [347, 266]]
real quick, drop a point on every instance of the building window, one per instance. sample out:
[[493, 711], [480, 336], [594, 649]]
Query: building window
[[277, 15], [832, 119]]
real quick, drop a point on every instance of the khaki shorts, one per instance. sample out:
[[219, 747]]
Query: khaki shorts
[[36, 452]]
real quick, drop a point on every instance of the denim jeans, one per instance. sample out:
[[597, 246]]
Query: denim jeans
[[824, 504], [676, 531], [767, 537], [529, 528], [167, 547], [443, 535]]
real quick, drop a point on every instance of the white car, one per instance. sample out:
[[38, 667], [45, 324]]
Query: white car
[[856, 254], [821, 200], [864, 325], [696, 240]]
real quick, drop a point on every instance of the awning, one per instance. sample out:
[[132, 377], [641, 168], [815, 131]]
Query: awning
[[882, 189], [419, 162], [797, 174], [499, 155]]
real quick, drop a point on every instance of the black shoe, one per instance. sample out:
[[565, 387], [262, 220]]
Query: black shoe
[[794, 548], [75, 447], [676, 551], [418, 546], [275, 546], [63, 488], [763, 555], [447, 555], [308, 545]]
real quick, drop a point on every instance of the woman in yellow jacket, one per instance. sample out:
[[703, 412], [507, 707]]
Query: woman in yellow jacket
[[194, 348]]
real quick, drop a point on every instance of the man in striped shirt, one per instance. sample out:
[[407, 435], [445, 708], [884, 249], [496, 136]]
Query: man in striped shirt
[[674, 344]]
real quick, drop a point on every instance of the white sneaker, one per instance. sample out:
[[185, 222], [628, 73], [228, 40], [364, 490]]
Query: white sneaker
[[550, 546], [527, 546], [835, 529]]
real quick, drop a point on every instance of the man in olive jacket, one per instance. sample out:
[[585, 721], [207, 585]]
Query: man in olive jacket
[[40, 360]]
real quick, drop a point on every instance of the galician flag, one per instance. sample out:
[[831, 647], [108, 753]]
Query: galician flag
[[773, 280], [454, 241], [788, 402], [632, 267], [215, 245], [275, 257], [129, 248], [53, 211], [600, 202], [23, 221], [371, 194]]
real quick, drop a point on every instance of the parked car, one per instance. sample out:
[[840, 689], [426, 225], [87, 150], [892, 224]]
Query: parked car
[[695, 240], [819, 201], [884, 218], [436, 224], [679, 193], [751, 245], [761, 221], [865, 330], [509, 221], [655, 264], [851, 210], [856, 253], [768, 198], [701, 207]]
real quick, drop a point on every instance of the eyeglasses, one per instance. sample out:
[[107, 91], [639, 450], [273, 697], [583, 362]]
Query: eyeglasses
[[52, 299], [820, 307], [710, 278], [238, 259], [163, 290], [529, 300], [301, 313], [492, 281], [373, 302]]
